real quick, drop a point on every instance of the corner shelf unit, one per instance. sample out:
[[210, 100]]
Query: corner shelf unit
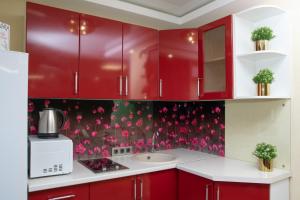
[[248, 62]]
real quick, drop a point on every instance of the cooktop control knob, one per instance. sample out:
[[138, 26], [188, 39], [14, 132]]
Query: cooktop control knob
[[104, 169], [117, 167]]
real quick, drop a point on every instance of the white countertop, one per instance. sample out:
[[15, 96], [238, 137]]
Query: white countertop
[[202, 164]]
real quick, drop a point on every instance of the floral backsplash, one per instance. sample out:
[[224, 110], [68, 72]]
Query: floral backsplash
[[97, 126]]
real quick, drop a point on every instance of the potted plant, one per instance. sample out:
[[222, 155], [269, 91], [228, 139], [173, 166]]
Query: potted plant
[[266, 154], [263, 79], [261, 36]]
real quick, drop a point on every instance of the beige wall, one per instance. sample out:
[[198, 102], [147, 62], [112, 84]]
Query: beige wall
[[247, 122]]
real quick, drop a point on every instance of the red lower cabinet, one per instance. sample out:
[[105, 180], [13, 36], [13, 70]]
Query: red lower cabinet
[[158, 185], [192, 187], [77, 192], [238, 191], [116, 189]]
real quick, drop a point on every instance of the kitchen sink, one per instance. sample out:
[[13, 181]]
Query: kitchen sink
[[155, 157]]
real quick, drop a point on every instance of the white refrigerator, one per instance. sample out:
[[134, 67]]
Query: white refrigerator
[[13, 125]]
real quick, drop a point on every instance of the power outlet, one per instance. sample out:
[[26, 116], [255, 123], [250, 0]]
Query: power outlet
[[119, 151]]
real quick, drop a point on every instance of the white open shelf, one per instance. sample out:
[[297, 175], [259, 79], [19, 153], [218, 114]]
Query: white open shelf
[[256, 56], [248, 62]]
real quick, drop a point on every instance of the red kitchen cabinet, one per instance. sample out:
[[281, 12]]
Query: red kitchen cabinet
[[178, 59], [100, 58], [77, 192], [140, 63], [160, 185], [116, 189], [192, 187], [216, 60], [53, 46], [238, 191]]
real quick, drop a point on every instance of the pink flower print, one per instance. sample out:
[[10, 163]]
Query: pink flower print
[[203, 143], [97, 150], [182, 140], [194, 112], [105, 153], [215, 147], [125, 133], [163, 120], [222, 127], [175, 108], [86, 141], [94, 134], [106, 126], [169, 123], [174, 116], [123, 119], [194, 122], [126, 103], [149, 116], [87, 127], [33, 130], [98, 121], [185, 105], [147, 128], [100, 109], [80, 149], [139, 122], [90, 152], [129, 124], [208, 126], [176, 123], [67, 125], [30, 107], [212, 132], [64, 101], [113, 117], [202, 117], [182, 117], [79, 118], [77, 131], [200, 128], [217, 109], [216, 121], [139, 144], [221, 153], [117, 126], [162, 143], [160, 130], [165, 109], [139, 112], [76, 107], [187, 122], [183, 130], [194, 141], [94, 111], [46, 103], [131, 115]]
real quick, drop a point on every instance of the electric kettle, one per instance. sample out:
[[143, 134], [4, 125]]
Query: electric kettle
[[50, 122]]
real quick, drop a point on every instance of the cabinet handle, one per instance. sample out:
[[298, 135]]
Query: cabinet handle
[[126, 85], [218, 193], [160, 87], [121, 85], [141, 185], [76, 83], [134, 188], [63, 197], [198, 87], [206, 192]]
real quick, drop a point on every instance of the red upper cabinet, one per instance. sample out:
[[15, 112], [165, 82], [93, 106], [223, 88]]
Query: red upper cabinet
[[238, 191], [192, 187], [140, 62], [53, 46], [216, 60], [160, 185], [100, 58], [178, 61]]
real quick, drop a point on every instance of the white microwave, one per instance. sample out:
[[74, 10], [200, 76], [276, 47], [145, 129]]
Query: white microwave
[[48, 157]]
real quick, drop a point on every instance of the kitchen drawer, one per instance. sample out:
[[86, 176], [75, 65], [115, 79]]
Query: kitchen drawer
[[77, 192]]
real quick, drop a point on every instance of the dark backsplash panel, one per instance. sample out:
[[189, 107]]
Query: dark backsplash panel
[[97, 126]]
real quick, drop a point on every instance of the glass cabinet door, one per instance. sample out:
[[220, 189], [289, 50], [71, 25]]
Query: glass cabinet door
[[215, 58]]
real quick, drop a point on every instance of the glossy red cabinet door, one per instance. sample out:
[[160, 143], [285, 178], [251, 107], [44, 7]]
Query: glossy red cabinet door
[[53, 46], [77, 192], [216, 60], [100, 58], [178, 59], [160, 185], [115, 189], [140, 62], [238, 191], [192, 187]]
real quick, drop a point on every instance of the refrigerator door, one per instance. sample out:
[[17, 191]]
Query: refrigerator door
[[13, 125]]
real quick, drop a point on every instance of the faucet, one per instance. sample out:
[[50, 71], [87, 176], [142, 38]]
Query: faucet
[[154, 138]]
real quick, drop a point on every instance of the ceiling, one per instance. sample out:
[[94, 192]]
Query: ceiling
[[177, 8]]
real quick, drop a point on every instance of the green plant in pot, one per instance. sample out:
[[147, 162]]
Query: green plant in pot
[[263, 79], [266, 153], [261, 36]]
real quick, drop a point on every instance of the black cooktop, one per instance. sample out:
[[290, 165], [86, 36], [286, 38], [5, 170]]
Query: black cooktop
[[102, 165]]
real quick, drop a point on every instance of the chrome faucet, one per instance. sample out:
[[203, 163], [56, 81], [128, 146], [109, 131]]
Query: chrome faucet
[[154, 138]]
